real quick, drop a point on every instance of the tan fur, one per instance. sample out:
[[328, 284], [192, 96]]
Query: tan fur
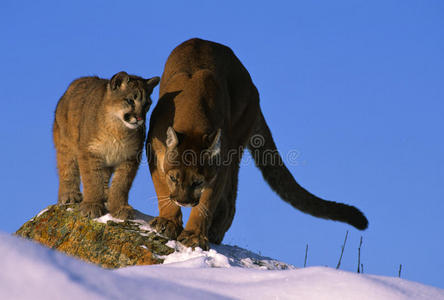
[[99, 130], [209, 106]]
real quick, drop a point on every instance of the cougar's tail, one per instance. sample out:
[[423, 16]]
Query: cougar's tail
[[268, 160]]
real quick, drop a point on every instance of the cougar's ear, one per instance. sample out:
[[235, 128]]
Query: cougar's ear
[[215, 145], [171, 140], [152, 82], [119, 81]]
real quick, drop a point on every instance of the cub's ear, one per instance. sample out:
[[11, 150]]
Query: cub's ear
[[171, 140], [119, 81], [215, 145], [152, 82]]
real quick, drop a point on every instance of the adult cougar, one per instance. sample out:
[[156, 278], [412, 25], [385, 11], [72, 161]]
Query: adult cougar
[[99, 129], [207, 112]]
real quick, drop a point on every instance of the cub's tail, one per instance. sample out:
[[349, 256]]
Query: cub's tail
[[269, 161]]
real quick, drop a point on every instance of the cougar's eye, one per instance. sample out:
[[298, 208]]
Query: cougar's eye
[[129, 101], [196, 184], [173, 179]]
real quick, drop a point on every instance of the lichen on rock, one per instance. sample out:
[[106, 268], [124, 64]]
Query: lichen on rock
[[113, 244]]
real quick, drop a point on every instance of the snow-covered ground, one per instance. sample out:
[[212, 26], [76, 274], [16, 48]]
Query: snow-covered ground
[[220, 256], [31, 271]]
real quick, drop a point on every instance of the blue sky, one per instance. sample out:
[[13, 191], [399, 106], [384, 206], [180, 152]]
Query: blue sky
[[355, 87]]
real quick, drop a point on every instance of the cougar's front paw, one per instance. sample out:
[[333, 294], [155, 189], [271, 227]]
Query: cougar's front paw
[[193, 240], [124, 212], [92, 210], [70, 198], [166, 227]]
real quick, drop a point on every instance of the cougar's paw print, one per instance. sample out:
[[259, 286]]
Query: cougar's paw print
[[92, 210], [193, 240], [166, 227]]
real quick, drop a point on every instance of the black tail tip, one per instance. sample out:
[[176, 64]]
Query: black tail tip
[[362, 225], [360, 221]]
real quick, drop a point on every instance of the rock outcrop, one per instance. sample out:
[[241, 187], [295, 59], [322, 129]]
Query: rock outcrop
[[105, 241]]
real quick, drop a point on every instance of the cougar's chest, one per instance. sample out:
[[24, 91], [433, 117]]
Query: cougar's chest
[[115, 150]]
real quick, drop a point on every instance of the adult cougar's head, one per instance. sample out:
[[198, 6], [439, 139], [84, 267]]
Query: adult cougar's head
[[128, 98], [190, 165]]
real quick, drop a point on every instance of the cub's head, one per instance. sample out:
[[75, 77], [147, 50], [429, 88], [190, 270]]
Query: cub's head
[[190, 165], [128, 98]]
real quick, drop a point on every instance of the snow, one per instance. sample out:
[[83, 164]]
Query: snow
[[31, 271], [42, 212], [105, 218], [219, 256], [140, 219]]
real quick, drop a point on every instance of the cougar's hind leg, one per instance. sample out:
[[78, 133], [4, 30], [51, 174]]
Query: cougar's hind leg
[[92, 173], [223, 217], [69, 177], [225, 211], [107, 173]]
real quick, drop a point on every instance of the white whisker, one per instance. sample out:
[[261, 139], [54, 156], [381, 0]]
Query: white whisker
[[203, 211], [155, 197], [165, 203]]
